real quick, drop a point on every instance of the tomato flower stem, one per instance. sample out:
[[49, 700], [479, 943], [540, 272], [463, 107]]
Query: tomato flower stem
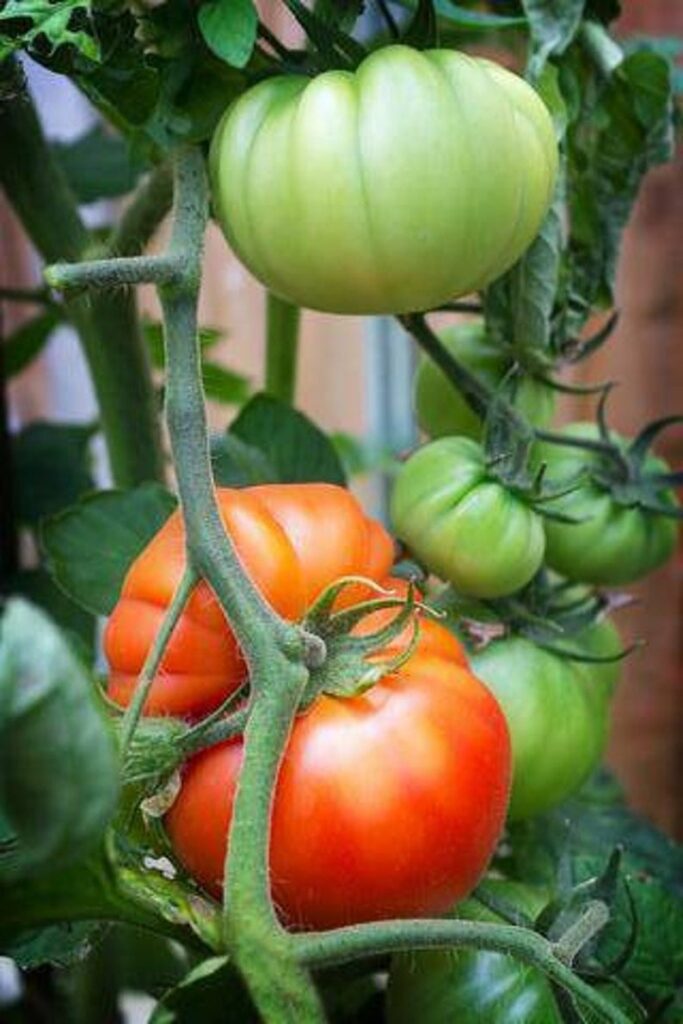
[[324, 949], [282, 343], [187, 583]]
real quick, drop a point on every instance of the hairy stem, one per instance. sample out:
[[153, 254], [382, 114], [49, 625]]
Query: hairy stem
[[342, 944], [282, 343], [147, 209], [107, 325], [175, 609]]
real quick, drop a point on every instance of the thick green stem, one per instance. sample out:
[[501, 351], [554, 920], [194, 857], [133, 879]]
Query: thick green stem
[[282, 344], [324, 949], [112, 273], [107, 325], [603, 50]]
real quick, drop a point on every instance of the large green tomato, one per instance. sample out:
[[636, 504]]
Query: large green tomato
[[469, 986], [557, 711], [462, 524], [440, 407], [417, 178], [616, 543]]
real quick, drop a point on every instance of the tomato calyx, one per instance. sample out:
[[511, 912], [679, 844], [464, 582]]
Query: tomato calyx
[[356, 659], [551, 612]]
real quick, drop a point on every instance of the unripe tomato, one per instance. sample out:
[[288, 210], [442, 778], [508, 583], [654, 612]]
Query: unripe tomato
[[440, 407], [615, 543], [419, 177], [388, 804], [557, 713], [464, 525], [294, 540]]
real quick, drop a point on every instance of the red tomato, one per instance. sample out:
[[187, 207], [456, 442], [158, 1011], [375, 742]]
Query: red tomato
[[294, 539], [387, 804]]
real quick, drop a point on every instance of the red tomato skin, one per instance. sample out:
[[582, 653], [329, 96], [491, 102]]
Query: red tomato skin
[[294, 539], [388, 804]]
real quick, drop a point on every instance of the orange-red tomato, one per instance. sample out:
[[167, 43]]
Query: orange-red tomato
[[294, 539], [387, 804]]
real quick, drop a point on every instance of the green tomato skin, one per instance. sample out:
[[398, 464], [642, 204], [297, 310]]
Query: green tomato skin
[[557, 714], [615, 544], [461, 524], [419, 177], [440, 407]]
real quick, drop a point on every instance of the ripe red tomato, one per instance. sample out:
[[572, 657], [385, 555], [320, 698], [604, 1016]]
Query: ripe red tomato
[[294, 539], [387, 804]]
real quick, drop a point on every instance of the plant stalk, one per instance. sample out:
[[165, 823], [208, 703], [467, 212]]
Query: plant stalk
[[282, 344], [107, 325]]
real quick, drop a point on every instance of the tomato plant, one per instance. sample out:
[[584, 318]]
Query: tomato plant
[[442, 410], [290, 739], [315, 181], [462, 523], [401, 792], [295, 539]]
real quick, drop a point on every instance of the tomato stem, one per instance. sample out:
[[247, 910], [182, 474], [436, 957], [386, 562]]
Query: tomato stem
[[147, 209], [592, 921], [282, 343], [107, 325], [175, 609], [339, 945]]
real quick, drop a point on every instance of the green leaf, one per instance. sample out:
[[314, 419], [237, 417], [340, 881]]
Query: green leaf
[[422, 29], [360, 457], [24, 344], [52, 21], [469, 20], [90, 546], [553, 25], [229, 29], [209, 992], [238, 464], [98, 165], [60, 945], [223, 385], [612, 146], [337, 47], [58, 760], [37, 586], [295, 447], [51, 464]]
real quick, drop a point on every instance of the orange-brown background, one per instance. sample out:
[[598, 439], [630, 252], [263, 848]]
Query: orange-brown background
[[644, 354]]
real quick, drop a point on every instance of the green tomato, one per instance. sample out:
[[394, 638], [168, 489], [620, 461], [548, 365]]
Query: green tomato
[[615, 543], [414, 179], [557, 712], [469, 986], [462, 524], [440, 407]]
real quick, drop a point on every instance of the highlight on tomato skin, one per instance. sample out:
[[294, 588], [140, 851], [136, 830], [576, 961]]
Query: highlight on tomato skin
[[388, 804], [294, 539]]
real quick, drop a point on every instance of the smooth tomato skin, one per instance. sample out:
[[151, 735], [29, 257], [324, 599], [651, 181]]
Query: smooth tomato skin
[[462, 524], [440, 407], [387, 804], [558, 715], [615, 544], [294, 539], [416, 178]]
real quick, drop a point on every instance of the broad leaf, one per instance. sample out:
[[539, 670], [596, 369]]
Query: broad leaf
[[295, 447], [90, 546], [58, 760], [223, 385], [98, 165], [24, 344], [51, 466], [37, 586], [54, 22], [553, 25], [422, 29], [208, 993], [229, 29], [238, 464], [60, 945]]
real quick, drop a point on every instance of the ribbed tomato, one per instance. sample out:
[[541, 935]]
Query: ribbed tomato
[[294, 539], [388, 804]]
